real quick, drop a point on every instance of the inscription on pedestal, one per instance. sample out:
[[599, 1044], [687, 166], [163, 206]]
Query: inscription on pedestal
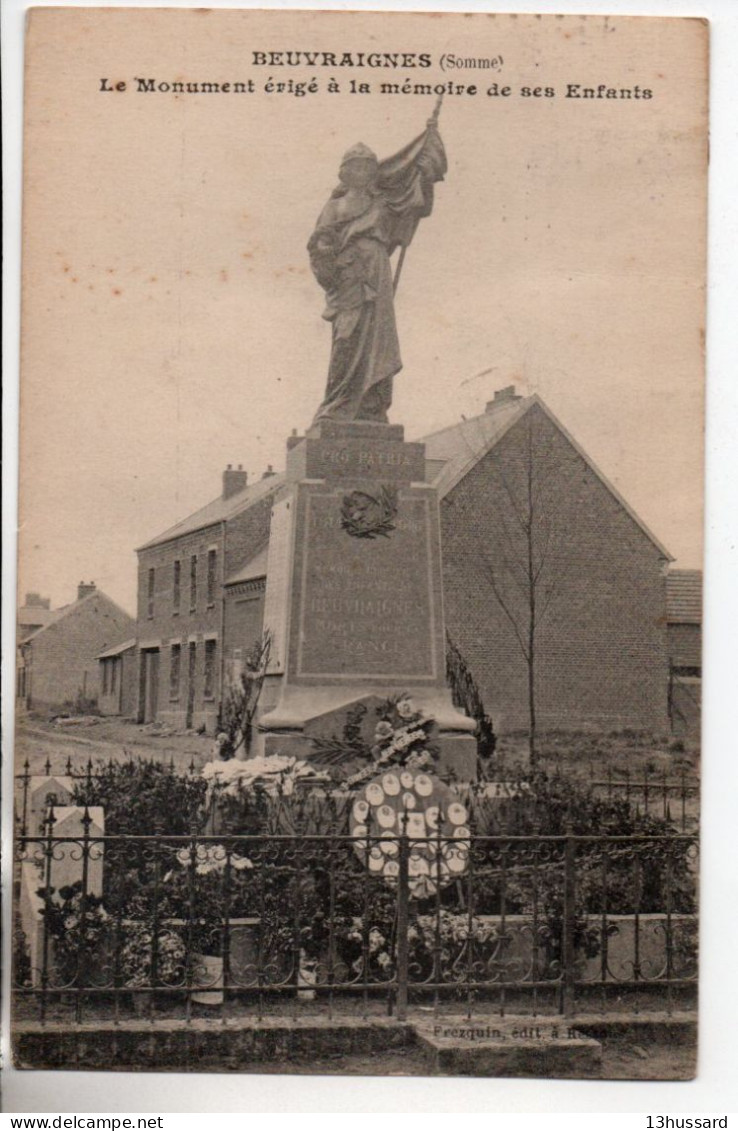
[[356, 459], [366, 606]]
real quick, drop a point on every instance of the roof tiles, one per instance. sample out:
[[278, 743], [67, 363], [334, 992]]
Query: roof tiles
[[684, 596]]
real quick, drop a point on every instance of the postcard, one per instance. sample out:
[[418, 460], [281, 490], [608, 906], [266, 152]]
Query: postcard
[[359, 614]]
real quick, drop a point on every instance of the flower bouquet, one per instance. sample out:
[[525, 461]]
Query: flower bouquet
[[275, 773], [402, 737]]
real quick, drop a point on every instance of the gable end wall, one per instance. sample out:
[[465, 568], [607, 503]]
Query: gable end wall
[[601, 648]]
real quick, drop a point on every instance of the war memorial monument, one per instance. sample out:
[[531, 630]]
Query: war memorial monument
[[354, 603]]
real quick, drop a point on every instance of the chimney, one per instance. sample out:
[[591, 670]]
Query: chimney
[[503, 397], [269, 472], [234, 481], [293, 440], [85, 588], [36, 601]]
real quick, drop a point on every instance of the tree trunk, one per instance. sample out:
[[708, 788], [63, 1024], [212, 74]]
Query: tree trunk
[[533, 751]]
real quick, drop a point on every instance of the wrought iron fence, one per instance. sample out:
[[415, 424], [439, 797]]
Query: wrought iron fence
[[670, 796], [260, 924], [82, 779]]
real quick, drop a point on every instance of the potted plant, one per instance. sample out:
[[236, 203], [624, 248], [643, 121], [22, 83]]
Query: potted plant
[[208, 883], [77, 926], [150, 959]]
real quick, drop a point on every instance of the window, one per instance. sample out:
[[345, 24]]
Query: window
[[105, 676], [176, 586], [114, 675], [175, 667], [209, 688], [150, 597], [193, 583], [211, 576]]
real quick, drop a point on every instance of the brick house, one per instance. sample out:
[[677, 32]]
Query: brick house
[[182, 585], [684, 635], [33, 614], [529, 523], [60, 658], [516, 491]]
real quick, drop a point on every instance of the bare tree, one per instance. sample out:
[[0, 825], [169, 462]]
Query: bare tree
[[520, 563]]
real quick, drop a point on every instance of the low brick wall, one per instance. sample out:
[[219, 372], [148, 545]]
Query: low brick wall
[[517, 956]]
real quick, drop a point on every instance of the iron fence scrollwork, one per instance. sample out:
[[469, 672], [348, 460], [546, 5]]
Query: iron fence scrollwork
[[255, 924]]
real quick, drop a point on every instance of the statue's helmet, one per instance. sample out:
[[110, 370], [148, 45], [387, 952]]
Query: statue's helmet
[[359, 152]]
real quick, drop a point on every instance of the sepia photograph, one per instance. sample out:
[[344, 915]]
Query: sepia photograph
[[358, 656]]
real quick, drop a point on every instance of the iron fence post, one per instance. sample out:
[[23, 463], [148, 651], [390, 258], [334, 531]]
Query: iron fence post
[[403, 895], [155, 917], [569, 921], [26, 779], [669, 940], [192, 910], [48, 833], [226, 940], [82, 971]]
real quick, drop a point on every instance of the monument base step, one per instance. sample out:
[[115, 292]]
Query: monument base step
[[457, 753], [303, 714], [513, 1046]]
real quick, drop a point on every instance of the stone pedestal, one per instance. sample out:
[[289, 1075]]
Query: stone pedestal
[[354, 599], [40, 789], [68, 864], [66, 869]]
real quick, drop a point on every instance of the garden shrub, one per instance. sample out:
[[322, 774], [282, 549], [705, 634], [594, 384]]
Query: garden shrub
[[141, 796]]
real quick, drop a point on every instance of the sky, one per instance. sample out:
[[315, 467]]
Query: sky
[[170, 321]]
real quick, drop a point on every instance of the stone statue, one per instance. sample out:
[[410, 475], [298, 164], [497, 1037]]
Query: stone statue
[[373, 211]]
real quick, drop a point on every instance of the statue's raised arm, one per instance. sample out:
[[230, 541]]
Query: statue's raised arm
[[374, 210]]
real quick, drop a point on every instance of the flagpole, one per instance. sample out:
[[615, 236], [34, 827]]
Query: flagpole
[[398, 271], [433, 121]]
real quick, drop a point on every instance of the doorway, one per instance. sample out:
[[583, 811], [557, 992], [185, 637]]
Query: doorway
[[151, 685], [191, 672]]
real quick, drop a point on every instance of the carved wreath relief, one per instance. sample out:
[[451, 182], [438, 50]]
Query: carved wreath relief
[[370, 516]]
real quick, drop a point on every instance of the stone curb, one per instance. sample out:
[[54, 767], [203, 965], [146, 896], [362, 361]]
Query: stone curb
[[207, 1044]]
